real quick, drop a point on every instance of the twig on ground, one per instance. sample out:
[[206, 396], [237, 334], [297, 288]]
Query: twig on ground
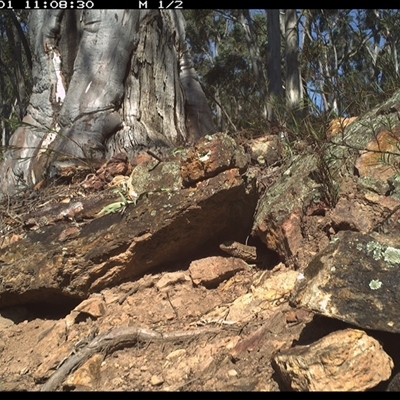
[[114, 340]]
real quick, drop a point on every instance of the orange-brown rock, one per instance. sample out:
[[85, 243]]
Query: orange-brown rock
[[381, 157], [279, 216], [347, 360], [55, 261], [210, 156], [338, 125], [211, 271]]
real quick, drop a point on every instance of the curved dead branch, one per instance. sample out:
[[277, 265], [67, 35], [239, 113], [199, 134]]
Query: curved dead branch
[[116, 339]]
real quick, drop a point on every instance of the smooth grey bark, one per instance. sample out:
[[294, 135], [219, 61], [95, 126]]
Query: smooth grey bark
[[199, 119], [330, 78], [294, 93], [105, 81]]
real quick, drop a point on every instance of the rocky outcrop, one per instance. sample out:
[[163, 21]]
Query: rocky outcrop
[[355, 279], [329, 214], [348, 360], [347, 183], [159, 227], [279, 216], [211, 271]]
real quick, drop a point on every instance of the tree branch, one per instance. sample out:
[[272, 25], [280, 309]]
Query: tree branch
[[113, 340]]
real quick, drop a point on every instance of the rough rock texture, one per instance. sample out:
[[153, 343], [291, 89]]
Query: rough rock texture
[[351, 215], [335, 232], [163, 227], [211, 155], [88, 375], [355, 279], [394, 385], [365, 152], [154, 175], [250, 254], [348, 360], [247, 330], [93, 307], [266, 149], [373, 162], [211, 271], [265, 295], [279, 216], [338, 126], [172, 278]]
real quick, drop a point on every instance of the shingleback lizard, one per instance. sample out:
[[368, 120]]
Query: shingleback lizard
[[250, 254]]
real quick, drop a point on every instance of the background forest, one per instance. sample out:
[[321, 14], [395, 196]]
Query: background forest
[[256, 66]]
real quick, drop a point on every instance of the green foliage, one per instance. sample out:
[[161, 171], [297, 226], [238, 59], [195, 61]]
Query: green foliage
[[349, 64], [308, 133], [222, 61], [349, 61], [348, 58], [15, 69]]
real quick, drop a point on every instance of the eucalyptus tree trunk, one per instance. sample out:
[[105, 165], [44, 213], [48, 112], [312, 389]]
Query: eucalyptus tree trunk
[[294, 92], [273, 63], [254, 52], [105, 81]]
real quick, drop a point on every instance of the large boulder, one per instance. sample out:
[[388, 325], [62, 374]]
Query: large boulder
[[86, 246]]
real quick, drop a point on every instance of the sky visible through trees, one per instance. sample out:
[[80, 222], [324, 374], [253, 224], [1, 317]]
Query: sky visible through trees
[[348, 62], [348, 59]]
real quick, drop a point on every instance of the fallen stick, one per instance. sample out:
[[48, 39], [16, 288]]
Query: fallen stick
[[113, 340]]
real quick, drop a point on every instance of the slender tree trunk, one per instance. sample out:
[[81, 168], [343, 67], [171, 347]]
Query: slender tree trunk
[[274, 63], [220, 121], [294, 92], [254, 51]]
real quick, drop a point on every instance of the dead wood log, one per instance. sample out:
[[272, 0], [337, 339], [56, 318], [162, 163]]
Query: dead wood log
[[116, 339]]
